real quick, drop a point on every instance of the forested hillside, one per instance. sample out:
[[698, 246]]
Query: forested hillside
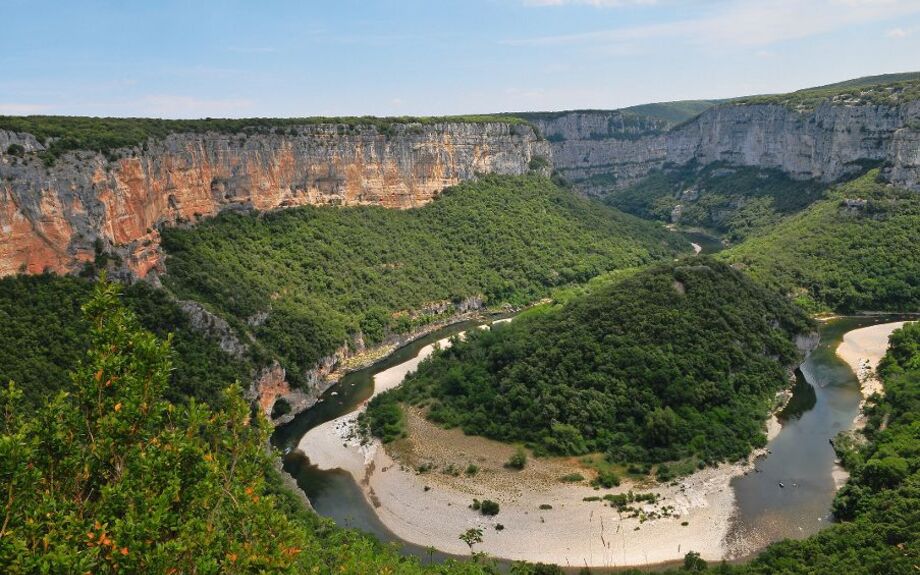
[[43, 334], [736, 202], [678, 361], [107, 476], [857, 249], [303, 281]]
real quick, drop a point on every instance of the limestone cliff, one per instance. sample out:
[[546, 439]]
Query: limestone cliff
[[830, 141], [52, 218]]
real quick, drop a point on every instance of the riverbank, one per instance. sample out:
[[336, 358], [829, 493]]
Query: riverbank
[[862, 349], [431, 508]]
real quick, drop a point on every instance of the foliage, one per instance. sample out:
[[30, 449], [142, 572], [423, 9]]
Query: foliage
[[323, 275], [831, 256], [107, 477], [488, 507], [110, 477], [16, 150], [388, 422], [471, 537], [887, 89], [694, 563], [606, 479], [736, 202], [43, 334], [679, 360], [518, 459], [62, 134]]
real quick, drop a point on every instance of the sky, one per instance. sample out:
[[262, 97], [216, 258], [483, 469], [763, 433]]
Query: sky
[[201, 58]]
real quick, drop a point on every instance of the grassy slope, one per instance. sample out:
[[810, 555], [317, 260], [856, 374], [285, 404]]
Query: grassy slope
[[830, 257], [681, 360], [670, 112], [324, 274], [887, 89]]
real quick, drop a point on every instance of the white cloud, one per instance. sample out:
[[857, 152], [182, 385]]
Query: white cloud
[[746, 23], [897, 33]]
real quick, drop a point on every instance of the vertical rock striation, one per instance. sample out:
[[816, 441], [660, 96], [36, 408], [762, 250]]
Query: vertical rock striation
[[597, 152], [51, 218]]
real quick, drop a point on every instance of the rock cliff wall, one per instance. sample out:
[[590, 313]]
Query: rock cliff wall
[[826, 143], [53, 218]]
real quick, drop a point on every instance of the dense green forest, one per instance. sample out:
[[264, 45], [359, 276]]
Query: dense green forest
[[679, 361], [324, 274], [107, 476], [835, 257], [736, 202], [142, 485], [43, 334], [62, 134]]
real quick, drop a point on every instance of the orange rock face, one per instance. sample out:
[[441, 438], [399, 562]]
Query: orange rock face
[[34, 245], [51, 218]]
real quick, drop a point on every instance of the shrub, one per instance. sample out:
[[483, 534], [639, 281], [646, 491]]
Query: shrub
[[16, 150], [472, 469], [606, 479], [572, 478], [281, 407], [518, 460], [488, 507], [545, 506]]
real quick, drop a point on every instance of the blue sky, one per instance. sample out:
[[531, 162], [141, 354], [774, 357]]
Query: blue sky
[[428, 57]]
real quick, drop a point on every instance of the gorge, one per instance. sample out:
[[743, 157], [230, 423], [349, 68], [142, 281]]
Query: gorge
[[272, 267], [54, 216]]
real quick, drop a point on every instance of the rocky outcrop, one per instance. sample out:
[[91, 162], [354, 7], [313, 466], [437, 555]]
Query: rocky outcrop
[[826, 143], [51, 218], [214, 327]]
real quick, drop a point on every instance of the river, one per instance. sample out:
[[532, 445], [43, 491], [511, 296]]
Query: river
[[825, 401]]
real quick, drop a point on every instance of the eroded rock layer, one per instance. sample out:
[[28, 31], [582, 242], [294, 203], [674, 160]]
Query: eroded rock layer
[[53, 218], [599, 150]]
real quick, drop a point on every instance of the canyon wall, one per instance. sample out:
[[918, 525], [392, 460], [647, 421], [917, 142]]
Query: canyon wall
[[55, 218], [826, 143]]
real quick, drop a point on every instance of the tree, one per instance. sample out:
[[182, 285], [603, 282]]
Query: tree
[[471, 537], [488, 507], [518, 460], [109, 477], [694, 563]]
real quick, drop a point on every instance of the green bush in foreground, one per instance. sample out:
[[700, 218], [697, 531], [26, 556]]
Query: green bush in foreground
[[108, 477], [43, 334]]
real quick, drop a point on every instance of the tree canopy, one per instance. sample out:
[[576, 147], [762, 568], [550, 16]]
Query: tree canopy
[[304, 281], [680, 360]]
